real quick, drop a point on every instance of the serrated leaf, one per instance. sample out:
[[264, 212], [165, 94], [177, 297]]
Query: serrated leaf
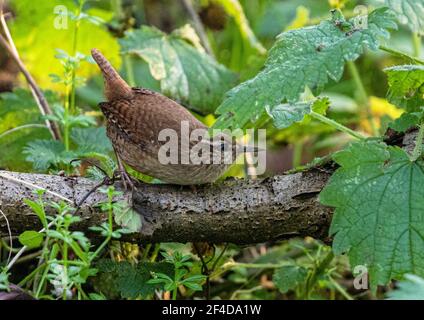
[[128, 218], [185, 73], [406, 121], [284, 115], [406, 86], [378, 193], [91, 140], [31, 239], [410, 12], [300, 58], [133, 281], [289, 277], [412, 288], [44, 154]]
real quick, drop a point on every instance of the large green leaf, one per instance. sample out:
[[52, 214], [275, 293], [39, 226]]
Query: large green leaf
[[410, 12], [185, 73], [130, 281], [303, 57], [378, 194], [412, 288]]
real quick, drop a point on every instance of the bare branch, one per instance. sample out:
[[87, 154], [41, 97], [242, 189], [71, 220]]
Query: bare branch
[[41, 101]]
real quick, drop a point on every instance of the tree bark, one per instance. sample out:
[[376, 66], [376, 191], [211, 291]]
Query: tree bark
[[237, 211]]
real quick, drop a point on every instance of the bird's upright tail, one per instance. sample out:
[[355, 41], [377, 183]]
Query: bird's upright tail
[[115, 86]]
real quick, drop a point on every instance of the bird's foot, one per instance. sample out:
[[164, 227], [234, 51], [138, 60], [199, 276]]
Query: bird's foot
[[127, 180]]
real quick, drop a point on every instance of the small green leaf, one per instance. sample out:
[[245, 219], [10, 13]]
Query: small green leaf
[[406, 121], [31, 239], [44, 154], [38, 210], [303, 57], [128, 218], [284, 115], [378, 193], [410, 12], [289, 277], [185, 73], [406, 86]]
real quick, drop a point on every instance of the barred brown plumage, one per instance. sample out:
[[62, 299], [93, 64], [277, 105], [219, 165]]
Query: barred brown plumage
[[135, 118]]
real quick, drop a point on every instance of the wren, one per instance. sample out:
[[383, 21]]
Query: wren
[[136, 117]]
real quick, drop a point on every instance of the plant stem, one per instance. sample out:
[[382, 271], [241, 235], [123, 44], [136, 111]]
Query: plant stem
[[297, 154], [74, 53], [340, 289], [174, 293], [108, 238], [129, 69], [401, 55], [363, 96], [416, 42], [418, 150], [337, 125]]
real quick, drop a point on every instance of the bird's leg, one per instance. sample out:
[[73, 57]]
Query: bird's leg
[[125, 177]]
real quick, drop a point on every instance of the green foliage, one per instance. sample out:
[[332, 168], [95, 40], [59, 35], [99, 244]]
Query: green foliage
[[127, 280], [234, 9], [412, 288], [181, 265], [122, 212], [289, 277], [284, 115], [378, 196], [18, 109], [406, 86], [31, 239], [406, 91], [4, 281], [410, 12], [44, 154], [300, 58], [55, 29], [185, 73]]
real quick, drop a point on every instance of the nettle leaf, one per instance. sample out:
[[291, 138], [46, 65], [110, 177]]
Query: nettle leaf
[[289, 277], [131, 281], [412, 288], [406, 121], [410, 12], [406, 86], [91, 140], [185, 73], [378, 193], [284, 115], [300, 58], [44, 154]]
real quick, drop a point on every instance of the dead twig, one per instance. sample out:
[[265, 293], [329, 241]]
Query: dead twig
[[41, 101]]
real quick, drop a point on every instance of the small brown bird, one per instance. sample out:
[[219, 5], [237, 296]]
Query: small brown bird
[[135, 119]]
